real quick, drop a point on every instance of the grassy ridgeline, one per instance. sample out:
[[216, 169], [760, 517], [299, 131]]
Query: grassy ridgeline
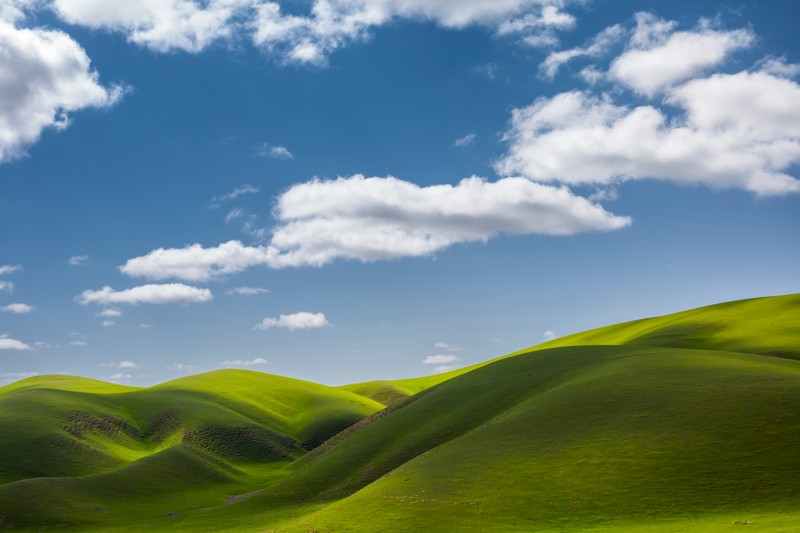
[[620, 435]]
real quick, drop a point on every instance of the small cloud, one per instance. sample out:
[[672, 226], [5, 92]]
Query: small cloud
[[7, 343], [146, 326], [778, 66], [121, 375], [7, 286], [169, 294], [439, 359], [108, 323], [180, 366], [448, 347], [76, 334], [275, 152], [489, 70], [550, 335], [234, 194], [78, 260], [302, 320], [247, 291], [9, 269], [235, 213], [238, 362], [466, 140], [128, 364], [18, 375], [42, 344], [17, 309], [443, 368], [109, 313], [77, 343], [604, 194]]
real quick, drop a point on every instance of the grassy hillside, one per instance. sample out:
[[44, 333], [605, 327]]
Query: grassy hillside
[[767, 326], [191, 441], [677, 423]]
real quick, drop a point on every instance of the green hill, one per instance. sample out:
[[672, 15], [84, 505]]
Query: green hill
[[687, 422]]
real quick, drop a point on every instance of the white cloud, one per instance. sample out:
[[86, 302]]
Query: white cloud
[[466, 140], [78, 260], [170, 293], [370, 219], [7, 343], [658, 58], [732, 131], [375, 218], [42, 344], [146, 326], [161, 25], [302, 320], [439, 359], [108, 323], [233, 214], [17, 309], [9, 269], [7, 286], [777, 66], [448, 347], [18, 375], [195, 263], [121, 375], [332, 24], [598, 46], [275, 152], [247, 291], [235, 193], [122, 364], [109, 313], [550, 335], [44, 76], [77, 343], [238, 362], [443, 368]]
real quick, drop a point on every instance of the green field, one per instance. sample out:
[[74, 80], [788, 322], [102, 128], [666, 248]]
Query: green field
[[688, 422]]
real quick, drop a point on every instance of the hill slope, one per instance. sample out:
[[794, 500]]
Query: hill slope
[[618, 435], [768, 326]]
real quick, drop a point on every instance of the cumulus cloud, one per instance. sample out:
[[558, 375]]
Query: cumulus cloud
[[658, 58], [439, 359], [332, 24], [302, 320], [78, 260], [44, 77], [17, 309], [275, 152], [170, 293], [7, 343], [246, 291], [371, 219], [778, 66], [252, 362], [731, 131], [162, 26], [466, 140]]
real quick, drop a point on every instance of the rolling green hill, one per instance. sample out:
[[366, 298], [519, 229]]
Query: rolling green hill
[[689, 422]]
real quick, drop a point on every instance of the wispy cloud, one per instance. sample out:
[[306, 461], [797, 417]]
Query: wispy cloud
[[448, 347], [439, 359], [252, 362], [109, 313], [247, 291], [235, 193], [9, 269], [466, 140]]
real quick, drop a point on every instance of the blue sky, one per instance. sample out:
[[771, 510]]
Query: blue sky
[[337, 190]]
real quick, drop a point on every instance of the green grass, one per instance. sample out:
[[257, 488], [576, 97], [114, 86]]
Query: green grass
[[689, 422]]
